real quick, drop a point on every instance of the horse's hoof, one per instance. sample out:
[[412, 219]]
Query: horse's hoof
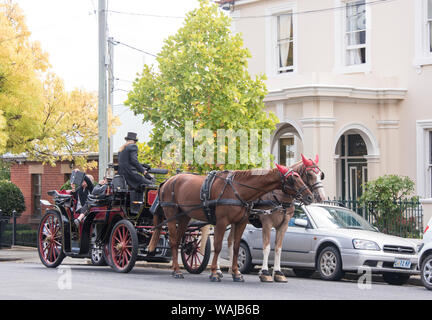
[[177, 275], [237, 278], [279, 277], [265, 278], [215, 278]]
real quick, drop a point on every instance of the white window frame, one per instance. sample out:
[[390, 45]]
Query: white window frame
[[340, 40], [279, 42], [424, 165], [272, 55], [423, 55]]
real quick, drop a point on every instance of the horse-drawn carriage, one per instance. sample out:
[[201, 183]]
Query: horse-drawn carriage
[[120, 228], [116, 231]]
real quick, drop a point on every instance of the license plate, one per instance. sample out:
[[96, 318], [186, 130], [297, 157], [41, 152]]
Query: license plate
[[402, 263]]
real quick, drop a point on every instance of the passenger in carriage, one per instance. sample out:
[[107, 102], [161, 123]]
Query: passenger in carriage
[[129, 166], [97, 190], [81, 193]]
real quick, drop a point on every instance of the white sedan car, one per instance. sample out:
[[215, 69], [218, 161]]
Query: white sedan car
[[333, 240], [425, 257]]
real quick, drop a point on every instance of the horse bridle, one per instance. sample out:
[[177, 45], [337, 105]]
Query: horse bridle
[[285, 186], [316, 170]]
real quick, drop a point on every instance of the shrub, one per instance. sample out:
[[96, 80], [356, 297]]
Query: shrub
[[66, 186], [11, 198], [387, 199]]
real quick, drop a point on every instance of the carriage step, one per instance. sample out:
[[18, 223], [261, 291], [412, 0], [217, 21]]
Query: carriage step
[[76, 255]]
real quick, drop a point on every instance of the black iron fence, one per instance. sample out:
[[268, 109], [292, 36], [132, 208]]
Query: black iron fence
[[13, 233], [404, 218]]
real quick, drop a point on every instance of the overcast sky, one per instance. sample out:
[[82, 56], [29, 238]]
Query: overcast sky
[[68, 31]]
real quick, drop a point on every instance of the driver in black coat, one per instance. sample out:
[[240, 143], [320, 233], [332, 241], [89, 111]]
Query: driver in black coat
[[129, 166]]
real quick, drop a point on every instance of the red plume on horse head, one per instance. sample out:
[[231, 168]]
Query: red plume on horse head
[[282, 169], [308, 162]]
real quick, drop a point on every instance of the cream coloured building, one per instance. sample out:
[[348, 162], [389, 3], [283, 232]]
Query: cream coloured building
[[350, 81]]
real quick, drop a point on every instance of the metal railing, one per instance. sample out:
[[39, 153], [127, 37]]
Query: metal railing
[[403, 219], [13, 233]]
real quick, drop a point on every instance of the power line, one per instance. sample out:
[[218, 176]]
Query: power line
[[145, 14], [131, 47], [257, 16], [352, 4], [118, 89], [124, 80]]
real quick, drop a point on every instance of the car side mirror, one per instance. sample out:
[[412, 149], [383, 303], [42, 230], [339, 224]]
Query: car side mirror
[[301, 223]]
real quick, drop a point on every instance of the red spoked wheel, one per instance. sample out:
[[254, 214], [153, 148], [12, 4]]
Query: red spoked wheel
[[193, 259], [123, 246], [106, 254], [50, 239]]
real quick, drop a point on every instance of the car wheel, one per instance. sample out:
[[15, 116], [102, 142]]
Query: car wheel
[[396, 279], [329, 264], [97, 257], [303, 273], [426, 272], [244, 260]]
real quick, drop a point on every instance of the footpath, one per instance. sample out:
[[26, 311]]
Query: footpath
[[20, 254]]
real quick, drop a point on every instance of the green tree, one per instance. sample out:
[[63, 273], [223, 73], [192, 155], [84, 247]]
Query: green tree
[[201, 77], [11, 198], [387, 198]]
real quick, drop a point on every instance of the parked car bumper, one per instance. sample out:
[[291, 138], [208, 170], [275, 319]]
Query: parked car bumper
[[376, 261]]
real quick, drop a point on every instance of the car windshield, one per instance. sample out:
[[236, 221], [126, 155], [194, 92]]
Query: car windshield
[[331, 217]]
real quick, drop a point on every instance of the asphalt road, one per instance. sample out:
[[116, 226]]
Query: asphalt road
[[82, 281]]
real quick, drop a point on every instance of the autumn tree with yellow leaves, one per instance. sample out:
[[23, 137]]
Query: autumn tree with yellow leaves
[[38, 116]]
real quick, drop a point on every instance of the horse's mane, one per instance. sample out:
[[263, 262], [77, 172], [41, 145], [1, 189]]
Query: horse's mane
[[246, 174]]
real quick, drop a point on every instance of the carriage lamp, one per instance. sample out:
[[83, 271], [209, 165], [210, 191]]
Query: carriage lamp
[[109, 173], [365, 245]]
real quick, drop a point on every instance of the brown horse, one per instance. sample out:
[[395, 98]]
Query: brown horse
[[282, 211], [180, 198]]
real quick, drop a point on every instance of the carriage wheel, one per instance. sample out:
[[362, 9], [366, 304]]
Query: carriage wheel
[[106, 254], [50, 240], [123, 249], [193, 260]]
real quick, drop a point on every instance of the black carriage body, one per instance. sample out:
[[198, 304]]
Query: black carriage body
[[96, 227], [118, 206]]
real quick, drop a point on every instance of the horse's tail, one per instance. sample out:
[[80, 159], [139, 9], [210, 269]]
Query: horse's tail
[[157, 220]]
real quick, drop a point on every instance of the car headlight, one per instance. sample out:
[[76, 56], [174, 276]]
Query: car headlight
[[365, 245]]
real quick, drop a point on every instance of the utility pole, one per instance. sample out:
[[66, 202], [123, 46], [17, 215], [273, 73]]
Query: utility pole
[[102, 102], [111, 79]]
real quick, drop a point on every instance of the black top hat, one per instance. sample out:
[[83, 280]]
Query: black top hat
[[131, 136]]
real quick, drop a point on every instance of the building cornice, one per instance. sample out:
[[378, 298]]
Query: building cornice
[[239, 3], [388, 124], [318, 122], [336, 92]]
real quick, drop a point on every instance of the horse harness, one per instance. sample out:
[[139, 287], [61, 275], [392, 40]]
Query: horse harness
[[208, 205]]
